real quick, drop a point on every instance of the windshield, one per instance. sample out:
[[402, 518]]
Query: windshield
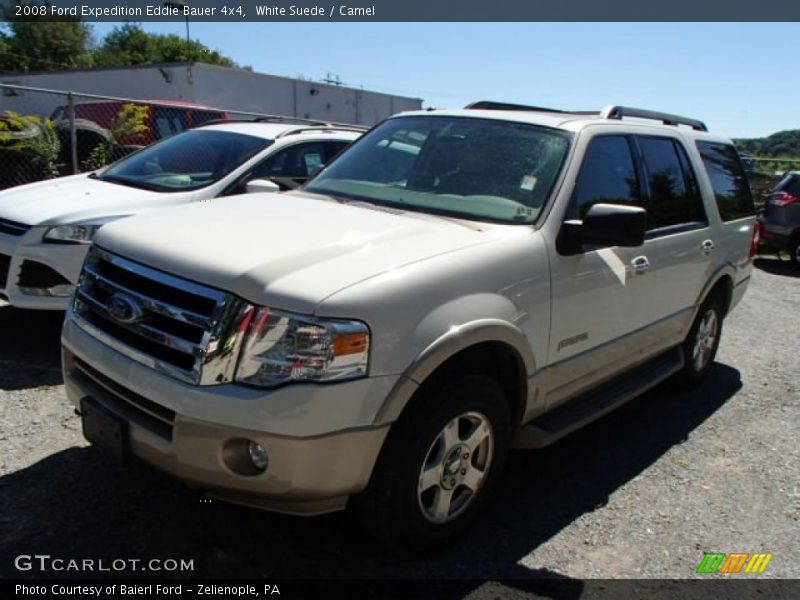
[[479, 169], [187, 161]]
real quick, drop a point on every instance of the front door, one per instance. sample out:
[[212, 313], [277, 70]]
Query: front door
[[601, 296]]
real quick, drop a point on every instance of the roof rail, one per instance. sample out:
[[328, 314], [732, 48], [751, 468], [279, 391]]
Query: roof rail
[[619, 112], [609, 112], [321, 128], [492, 105], [277, 119]]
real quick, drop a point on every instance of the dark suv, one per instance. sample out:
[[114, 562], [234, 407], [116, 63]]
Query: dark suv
[[780, 222]]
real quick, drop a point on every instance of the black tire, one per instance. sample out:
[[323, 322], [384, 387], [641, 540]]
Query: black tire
[[695, 369], [88, 135], [29, 133], [19, 168], [18, 165], [794, 250], [391, 508]]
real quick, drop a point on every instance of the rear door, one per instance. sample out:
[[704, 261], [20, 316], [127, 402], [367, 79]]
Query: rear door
[[734, 202], [680, 244]]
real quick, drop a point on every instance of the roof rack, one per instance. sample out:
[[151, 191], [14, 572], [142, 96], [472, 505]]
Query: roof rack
[[609, 112], [321, 128], [492, 105], [280, 119], [618, 112]]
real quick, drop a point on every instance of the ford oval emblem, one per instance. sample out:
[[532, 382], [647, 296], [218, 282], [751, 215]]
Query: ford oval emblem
[[124, 308]]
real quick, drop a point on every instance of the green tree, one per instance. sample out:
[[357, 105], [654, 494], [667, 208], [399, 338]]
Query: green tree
[[126, 45], [36, 45], [129, 44], [129, 122], [782, 143]]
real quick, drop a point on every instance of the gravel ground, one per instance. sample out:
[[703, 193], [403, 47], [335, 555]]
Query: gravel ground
[[642, 493]]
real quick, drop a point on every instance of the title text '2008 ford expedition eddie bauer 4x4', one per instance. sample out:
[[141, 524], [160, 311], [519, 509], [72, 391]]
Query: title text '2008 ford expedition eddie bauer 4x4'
[[455, 284]]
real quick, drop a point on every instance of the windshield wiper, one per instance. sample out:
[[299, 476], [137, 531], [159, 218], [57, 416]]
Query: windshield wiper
[[128, 182]]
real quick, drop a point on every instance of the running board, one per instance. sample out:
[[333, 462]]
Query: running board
[[553, 425]]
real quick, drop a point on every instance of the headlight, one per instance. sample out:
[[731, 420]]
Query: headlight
[[76, 233], [282, 347]]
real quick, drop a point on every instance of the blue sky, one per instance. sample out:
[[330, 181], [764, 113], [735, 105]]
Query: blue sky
[[738, 77]]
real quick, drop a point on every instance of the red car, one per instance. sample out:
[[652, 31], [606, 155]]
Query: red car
[[165, 118]]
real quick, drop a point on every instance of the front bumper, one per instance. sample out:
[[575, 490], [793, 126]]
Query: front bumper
[[39, 275], [320, 440]]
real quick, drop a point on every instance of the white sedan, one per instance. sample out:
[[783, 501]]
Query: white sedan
[[46, 227]]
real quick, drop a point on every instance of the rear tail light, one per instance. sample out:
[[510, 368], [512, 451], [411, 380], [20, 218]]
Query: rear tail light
[[783, 198], [756, 239]]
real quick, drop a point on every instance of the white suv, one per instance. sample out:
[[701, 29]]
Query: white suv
[[47, 227], [456, 283]]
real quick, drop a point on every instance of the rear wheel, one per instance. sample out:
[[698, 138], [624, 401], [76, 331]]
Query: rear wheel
[[794, 250], [700, 346], [440, 465]]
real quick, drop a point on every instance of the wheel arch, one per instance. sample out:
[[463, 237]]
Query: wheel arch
[[491, 345], [722, 283]]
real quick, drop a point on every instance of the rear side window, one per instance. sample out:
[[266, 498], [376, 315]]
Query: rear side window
[[789, 185], [673, 194], [169, 121], [728, 178], [607, 176]]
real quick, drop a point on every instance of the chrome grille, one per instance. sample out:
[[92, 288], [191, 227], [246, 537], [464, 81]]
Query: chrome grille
[[13, 228], [186, 330]]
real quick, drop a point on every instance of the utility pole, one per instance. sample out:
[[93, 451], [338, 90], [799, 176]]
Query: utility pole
[[180, 5]]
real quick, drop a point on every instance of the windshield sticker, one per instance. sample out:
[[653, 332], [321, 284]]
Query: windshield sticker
[[528, 183]]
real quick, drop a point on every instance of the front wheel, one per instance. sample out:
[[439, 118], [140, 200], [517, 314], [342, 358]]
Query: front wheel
[[440, 465]]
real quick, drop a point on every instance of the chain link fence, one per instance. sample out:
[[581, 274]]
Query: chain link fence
[[50, 133]]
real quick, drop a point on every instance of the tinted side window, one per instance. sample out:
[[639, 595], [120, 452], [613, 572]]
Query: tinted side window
[[728, 179], [673, 200], [608, 175], [295, 162], [333, 148]]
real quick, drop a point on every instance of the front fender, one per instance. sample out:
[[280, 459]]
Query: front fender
[[449, 340]]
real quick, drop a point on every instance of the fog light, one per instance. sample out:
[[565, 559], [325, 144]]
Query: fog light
[[63, 290], [258, 455]]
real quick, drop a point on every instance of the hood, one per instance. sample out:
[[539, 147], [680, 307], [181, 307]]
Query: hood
[[290, 251], [71, 199]]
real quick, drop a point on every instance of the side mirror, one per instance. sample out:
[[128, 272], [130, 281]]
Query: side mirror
[[257, 186], [605, 225]]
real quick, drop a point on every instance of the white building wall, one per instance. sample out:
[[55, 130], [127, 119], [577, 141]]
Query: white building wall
[[221, 87]]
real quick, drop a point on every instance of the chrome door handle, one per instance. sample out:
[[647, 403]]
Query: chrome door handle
[[640, 264], [707, 246]]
